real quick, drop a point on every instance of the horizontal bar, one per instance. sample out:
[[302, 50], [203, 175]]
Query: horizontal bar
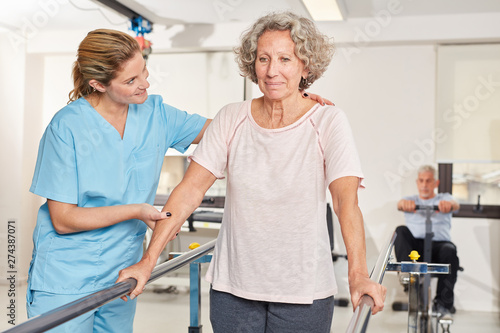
[[76, 308], [181, 260], [424, 268], [361, 316], [485, 211], [418, 267]]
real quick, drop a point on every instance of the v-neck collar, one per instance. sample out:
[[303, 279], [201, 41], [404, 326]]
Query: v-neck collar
[[107, 124]]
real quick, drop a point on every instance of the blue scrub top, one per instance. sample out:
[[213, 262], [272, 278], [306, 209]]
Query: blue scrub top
[[83, 160]]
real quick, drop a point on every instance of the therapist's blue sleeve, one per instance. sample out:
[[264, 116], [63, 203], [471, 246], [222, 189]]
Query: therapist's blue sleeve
[[183, 127], [55, 174]]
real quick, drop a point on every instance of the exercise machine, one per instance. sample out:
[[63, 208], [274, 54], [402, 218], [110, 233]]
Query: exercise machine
[[417, 276]]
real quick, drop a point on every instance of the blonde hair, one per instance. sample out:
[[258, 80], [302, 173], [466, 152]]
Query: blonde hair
[[100, 56], [312, 47]]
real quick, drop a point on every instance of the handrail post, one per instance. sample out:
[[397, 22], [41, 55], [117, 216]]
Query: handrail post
[[194, 298], [195, 293]]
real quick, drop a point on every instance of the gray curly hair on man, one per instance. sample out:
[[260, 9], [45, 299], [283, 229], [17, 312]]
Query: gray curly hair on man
[[311, 46], [428, 168]]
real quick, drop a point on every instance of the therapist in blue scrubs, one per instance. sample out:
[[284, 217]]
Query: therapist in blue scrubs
[[98, 165]]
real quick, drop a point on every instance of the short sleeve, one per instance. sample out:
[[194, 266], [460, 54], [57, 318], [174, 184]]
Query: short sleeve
[[212, 151], [183, 127], [340, 153], [55, 174]]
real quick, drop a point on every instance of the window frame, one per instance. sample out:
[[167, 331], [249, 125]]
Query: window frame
[[466, 210]]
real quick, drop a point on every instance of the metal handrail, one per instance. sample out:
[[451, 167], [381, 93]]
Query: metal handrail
[[362, 313], [76, 308]]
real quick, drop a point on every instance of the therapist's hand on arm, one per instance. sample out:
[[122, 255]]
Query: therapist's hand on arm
[[68, 218], [345, 203], [185, 198]]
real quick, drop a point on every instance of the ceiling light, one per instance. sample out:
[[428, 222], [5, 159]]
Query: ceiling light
[[324, 10]]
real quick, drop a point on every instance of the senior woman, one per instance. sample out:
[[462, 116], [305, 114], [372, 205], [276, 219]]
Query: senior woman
[[272, 269]]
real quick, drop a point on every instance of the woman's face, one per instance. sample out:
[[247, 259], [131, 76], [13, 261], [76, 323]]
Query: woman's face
[[130, 84], [277, 67]]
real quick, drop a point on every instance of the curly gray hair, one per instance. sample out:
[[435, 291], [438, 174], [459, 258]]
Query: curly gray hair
[[312, 47]]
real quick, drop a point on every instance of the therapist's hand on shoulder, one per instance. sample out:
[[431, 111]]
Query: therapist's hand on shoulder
[[362, 285], [316, 98]]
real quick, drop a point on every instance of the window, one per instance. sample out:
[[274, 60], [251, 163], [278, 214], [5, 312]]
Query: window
[[475, 186], [468, 123]]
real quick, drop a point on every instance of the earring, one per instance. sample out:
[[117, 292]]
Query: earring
[[303, 82]]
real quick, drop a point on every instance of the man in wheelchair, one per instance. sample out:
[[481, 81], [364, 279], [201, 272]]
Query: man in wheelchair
[[411, 237]]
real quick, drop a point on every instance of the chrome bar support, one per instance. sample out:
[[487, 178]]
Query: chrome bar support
[[76, 308]]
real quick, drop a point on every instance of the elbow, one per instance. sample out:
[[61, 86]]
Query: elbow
[[61, 216], [60, 227]]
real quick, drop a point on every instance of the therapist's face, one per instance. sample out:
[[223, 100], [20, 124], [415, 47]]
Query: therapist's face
[[130, 84]]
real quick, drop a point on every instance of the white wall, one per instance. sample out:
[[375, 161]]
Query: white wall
[[11, 167], [384, 80]]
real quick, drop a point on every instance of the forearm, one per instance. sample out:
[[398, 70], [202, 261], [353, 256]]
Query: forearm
[[353, 233], [185, 198], [181, 203], [68, 218], [345, 203]]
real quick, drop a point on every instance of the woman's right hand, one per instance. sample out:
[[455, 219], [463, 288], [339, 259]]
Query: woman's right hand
[[149, 215], [140, 272]]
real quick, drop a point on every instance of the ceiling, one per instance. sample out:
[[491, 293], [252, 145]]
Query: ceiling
[[27, 15]]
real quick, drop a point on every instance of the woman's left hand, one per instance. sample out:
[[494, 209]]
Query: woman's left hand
[[362, 285], [316, 98]]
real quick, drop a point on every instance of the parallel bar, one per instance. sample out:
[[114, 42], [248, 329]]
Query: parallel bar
[[361, 316], [378, 271], [181, 260], [74, 309]]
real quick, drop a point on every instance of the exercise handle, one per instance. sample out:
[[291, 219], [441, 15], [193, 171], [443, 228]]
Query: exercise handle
[[424, 207]]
